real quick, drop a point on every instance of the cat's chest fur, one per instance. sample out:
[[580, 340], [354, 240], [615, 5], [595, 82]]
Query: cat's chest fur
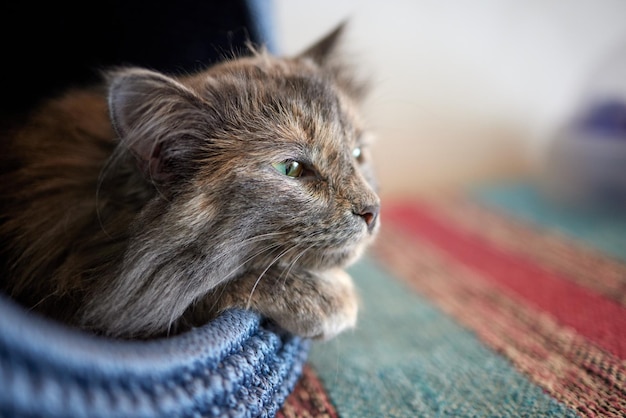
[[154, 203]]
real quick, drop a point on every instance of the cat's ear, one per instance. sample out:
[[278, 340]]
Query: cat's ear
[[324, 50], [327, 54], [156, 118]]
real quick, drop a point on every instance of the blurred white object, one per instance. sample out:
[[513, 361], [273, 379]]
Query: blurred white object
[[587, 162]]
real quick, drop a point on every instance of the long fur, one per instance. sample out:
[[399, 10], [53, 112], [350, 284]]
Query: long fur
[[150, 204]]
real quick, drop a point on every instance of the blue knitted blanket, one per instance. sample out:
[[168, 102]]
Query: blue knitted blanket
[[235, 366]]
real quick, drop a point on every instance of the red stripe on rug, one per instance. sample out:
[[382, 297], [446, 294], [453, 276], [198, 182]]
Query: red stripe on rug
[[566, 256], [309, 399], [593, 316], [567, 365]]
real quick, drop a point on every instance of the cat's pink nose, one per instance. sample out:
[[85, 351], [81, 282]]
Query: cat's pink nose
[[369, 215]]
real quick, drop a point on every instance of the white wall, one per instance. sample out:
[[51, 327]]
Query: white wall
[[463, 91]]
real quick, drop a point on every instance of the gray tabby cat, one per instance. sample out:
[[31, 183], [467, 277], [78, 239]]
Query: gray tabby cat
[[153, 203]]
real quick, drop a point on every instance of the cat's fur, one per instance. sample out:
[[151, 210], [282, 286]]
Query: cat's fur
[[150, 204]]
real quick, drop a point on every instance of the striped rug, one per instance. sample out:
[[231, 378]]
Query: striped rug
[[493, 304]]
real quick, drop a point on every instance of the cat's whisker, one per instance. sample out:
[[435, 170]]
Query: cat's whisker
[[256, 238], [42, 300], [253, 256], [246, 261], [263, 274], [286, 272], [262, 236], [226, 277]]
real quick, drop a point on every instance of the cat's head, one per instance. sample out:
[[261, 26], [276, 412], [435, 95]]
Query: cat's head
[[267, 154]]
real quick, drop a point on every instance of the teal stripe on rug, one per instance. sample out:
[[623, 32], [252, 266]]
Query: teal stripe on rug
[[604, 230], [408, 359]]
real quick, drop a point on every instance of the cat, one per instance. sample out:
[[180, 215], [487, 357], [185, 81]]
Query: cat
[[150, 204]]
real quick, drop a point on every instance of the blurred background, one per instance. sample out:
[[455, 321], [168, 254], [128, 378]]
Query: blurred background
[[483, 91], [462, 93]]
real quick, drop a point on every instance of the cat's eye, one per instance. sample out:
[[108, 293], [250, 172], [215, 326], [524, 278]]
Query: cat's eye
[[357, 153], [289, 168]]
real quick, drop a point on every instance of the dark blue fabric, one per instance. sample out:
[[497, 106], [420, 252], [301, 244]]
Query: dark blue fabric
[[47, 47], [235, 366], [606, 119]]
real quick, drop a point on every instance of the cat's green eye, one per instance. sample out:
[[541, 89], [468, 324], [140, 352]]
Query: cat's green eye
[[289, 168]]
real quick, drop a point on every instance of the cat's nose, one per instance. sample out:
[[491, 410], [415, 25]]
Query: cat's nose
[[369, 214]]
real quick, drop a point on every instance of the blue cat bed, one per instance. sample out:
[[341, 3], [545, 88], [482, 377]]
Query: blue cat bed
[[235, 366]]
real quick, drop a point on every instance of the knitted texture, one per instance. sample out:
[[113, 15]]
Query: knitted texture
[[236, 366]]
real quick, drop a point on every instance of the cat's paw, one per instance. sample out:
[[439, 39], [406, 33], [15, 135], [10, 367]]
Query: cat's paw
[[316, 305], [327, 305]]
